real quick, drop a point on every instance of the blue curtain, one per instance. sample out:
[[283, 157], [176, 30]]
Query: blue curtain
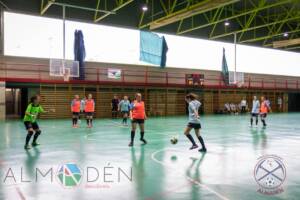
[[225, 71], [164, 52], [79, 52], [153, 49]]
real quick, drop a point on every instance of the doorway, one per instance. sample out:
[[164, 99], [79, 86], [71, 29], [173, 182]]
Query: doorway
[[294, 102], [15, 102]]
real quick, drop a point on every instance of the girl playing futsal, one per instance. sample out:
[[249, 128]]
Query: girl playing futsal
[[75, 109], [124, 108], [264, 108], [89, 110], [255, 110], [137, 116], [194, 121], [32, 127], [114, 106]]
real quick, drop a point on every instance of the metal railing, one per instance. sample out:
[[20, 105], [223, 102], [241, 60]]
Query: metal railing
[[39, 73]]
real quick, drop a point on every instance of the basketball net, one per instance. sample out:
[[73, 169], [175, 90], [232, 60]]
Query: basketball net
[[239, 84], [66, 74]]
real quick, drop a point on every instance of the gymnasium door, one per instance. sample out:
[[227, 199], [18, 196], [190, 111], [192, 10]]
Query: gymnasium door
[[294, 102], [13, 103]]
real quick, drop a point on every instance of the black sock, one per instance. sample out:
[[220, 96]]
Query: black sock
[[264, 122], [191, 139], [29, 135], [256, 121], [36, 135], [125, 120], [91, 122], [202, 142], [251, 121], [73, 121], [132, 135], [87, 121], [142, 135]]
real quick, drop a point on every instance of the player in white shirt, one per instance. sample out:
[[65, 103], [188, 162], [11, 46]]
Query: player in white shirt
[[194, 121], [255, 110]]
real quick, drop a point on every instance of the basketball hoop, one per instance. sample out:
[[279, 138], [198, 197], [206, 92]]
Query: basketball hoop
[[66, 75], [239, 84], [236, 79], [64, 68]]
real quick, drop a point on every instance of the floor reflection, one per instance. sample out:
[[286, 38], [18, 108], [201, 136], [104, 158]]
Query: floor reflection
[[259, 136], [193, 171]]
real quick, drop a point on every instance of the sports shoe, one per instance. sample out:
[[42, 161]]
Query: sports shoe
[[202, 150], [144, 141], [130, 144], [27, 147], [34, 144], [194, 147]]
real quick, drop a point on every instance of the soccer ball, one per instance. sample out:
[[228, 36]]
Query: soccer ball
[[174, 140], [269, 182]]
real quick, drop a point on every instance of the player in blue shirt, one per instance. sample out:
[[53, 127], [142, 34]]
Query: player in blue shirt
[[124, 107]]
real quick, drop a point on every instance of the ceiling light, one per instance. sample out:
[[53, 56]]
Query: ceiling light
[[144, 8]]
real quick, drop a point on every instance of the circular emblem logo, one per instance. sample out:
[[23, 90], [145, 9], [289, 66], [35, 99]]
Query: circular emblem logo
[[69, 175], [270, 172]]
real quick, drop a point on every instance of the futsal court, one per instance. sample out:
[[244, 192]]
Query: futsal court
[[160, 170], [149, 100]]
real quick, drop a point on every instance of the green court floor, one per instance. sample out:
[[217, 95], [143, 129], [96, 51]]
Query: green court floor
[[159, 169]]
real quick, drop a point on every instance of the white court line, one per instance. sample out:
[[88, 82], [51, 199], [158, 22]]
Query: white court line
[[187, 177], [20, 193]]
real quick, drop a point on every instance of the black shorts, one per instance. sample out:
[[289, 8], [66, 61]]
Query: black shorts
[[263, 115], [33, 125], [76, 113], [125, 112], [194, 125], [254, 114], [89, 113], [139, 121]]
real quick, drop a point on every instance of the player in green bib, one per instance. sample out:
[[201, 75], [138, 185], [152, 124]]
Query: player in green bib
[[31, 115]]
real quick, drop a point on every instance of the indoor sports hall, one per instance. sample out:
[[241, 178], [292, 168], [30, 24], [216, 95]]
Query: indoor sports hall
[[149, 99]]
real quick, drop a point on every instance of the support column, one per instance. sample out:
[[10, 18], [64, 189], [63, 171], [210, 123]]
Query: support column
[[1, 32], [2, 101]]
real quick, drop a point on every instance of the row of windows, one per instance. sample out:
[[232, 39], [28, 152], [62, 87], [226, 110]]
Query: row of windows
[[33, 36]]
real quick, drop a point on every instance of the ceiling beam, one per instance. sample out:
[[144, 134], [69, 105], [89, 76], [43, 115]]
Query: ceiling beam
[[293, 48], [190, 11], [44, 7], [252, 17], [285, 43], [120, 5], [296, 17], [268, 36], [235, 16]]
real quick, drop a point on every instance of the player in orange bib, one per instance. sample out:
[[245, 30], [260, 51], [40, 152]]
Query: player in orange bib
[[137, 116], [264, 109], [89, 110], [75, 109]]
